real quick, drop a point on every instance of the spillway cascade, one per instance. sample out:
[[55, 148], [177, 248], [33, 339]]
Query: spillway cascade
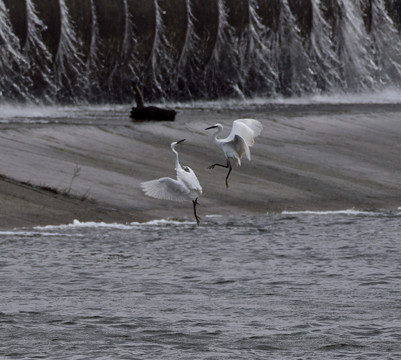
[[91, 51]]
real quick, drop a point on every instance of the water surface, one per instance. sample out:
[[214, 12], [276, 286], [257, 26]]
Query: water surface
[[283, 286]]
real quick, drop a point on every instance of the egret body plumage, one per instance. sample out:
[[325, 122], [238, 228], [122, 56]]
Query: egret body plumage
[[237, 143], [185, 187]]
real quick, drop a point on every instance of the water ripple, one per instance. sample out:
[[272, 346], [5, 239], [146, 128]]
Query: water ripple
[[278, 286]]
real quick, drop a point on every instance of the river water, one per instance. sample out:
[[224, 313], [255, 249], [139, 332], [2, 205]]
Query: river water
[[301, 285]]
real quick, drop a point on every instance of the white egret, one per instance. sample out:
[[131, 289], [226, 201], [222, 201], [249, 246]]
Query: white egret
[[186, 187], [237, 143]]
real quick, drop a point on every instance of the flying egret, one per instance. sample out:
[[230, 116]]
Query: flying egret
[[236, 144], [186, 187]]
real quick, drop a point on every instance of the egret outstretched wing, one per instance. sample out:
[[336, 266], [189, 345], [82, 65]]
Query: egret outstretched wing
[[165, 188], [248, 129]]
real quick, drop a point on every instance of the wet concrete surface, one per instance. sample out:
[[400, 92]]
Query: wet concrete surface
[[307, 158]]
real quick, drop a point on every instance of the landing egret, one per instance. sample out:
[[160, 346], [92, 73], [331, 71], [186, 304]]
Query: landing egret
[[186, 187], [236, 144]]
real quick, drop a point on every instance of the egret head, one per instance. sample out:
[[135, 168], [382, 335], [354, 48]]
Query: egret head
[[173, 144]]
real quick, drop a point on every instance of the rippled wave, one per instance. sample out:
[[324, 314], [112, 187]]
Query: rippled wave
[[282, 286]]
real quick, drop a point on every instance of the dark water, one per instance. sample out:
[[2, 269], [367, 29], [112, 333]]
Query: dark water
[[280, 286]]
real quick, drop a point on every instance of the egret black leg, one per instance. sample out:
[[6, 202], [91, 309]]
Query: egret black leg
[[228, 174], [227, 166], [195, 202], [224, 166]]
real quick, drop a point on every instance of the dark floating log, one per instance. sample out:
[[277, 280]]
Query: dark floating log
[[141, 112], [152, 113]]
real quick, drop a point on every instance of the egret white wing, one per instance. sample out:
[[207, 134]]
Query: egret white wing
[[242, 147], [235, 148], [188, 177], [165, 188], [248, 129]]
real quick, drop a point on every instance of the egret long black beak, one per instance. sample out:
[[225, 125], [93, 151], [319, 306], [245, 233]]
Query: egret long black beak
[[211, 127], [178, 142]]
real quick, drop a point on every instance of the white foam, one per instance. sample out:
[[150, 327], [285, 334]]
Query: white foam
[[386, 96], [162, 222], [329, 212], [46, 113], [33, 111], [31, 233], [92, 224], [79, 224], [389, 95], [21, 233]]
